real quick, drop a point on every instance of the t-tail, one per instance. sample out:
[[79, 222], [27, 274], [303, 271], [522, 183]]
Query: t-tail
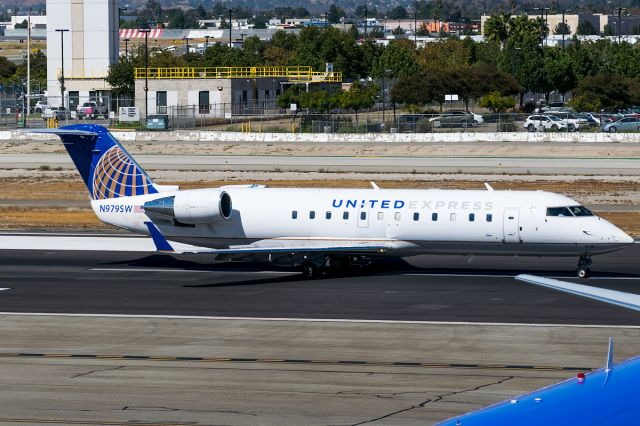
[[105, 166]]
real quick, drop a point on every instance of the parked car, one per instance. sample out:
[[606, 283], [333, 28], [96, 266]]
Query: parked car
[[92, 109], [61, 113], [40, 106], [542, 122], [455, 118], [573, 122], [591, 119], [624, 124], [610, 117]]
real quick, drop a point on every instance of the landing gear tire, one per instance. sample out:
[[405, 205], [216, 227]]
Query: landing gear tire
[[583, 266], [584, 273], [309, 270]]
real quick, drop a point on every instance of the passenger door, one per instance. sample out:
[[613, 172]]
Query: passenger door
[[363, 218], [511, 226]]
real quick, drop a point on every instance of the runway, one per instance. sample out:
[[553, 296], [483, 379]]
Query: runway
[[410, 164], [425, 288], [115, 337]]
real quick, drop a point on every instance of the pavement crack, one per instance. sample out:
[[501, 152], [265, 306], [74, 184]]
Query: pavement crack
[[96, 371], [430, 400], [172, 409]]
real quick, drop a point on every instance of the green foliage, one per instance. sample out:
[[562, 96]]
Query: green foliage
[[120, 78], [586, 28], [444, 54], [359, 96], [495, 102], [397, 12], [610, 91], [582, 103], [22, 25], [7, 68], [398, 58], [562, 28], [335, 13]]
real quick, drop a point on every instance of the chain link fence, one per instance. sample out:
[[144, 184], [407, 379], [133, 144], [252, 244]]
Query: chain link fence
[[268, 117]]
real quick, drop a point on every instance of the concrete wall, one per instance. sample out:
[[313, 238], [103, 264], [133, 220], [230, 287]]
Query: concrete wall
[[238, 137]]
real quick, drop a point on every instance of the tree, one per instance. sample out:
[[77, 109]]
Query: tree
[[444, 54], [496, 28], [558, 71], [23, 25], [612, 92], [562, 29], [608, 31], [419, 90], [581, 103], [335, 13], [586, 28], [398, 12], [7, 68], [359, 96], [399, 58], [120, 78], [495, 102]]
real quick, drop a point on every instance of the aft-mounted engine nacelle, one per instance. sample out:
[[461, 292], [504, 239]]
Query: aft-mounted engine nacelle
[[192, 206]]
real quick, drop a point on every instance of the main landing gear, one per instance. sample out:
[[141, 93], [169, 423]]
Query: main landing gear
[[583, 266]]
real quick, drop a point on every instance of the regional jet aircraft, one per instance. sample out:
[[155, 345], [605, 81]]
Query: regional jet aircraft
[[320, 229]]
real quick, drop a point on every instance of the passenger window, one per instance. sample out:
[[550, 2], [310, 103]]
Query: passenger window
[[327, 215], [559, 211], [380, 215], [434, 216], [312, 214], [294, 214], [489, 217], [345, 215], [472, 217], [363, 215], [452, 217], [398, 216], [416, 216]]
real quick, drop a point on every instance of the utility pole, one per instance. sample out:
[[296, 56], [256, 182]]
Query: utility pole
[[619, 10], [146, 72], [62, 31], [415, 24], [230, 28], [27, 103], [542, 23], [366, 17]]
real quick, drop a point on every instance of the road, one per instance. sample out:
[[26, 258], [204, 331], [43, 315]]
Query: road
[[454, 164], [114, 337]]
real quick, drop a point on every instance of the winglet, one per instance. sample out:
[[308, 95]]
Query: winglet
[[489, 187], [373, 185], [158, 239]]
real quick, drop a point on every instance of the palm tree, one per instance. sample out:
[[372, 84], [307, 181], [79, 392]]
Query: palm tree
[[496, 28]]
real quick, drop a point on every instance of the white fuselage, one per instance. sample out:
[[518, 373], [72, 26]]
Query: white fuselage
[[410, 221]]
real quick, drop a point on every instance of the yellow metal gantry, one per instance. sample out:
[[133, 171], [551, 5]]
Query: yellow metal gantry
[[292, 74]]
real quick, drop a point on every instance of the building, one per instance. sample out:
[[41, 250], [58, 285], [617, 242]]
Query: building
[[572, 20], [90, 47], [220, 92], [37, 21]]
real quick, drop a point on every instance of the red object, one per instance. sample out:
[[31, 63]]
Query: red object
[[580, 378]]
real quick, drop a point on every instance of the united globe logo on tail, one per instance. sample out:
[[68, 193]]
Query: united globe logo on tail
[[117, 175]]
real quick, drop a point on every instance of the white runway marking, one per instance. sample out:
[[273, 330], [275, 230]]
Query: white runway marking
[[319, 320], [3, 289], [472, 275], [187, 271]]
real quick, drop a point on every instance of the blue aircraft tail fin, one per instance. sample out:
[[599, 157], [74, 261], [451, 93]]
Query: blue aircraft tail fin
[[105, 166]]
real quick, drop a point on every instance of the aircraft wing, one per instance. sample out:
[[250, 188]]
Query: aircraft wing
[[276, 246], [608, 396], [619, 298]]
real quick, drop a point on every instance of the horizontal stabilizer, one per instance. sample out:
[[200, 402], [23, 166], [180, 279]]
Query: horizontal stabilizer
[[62, 132], [618, 298], [159, 240]]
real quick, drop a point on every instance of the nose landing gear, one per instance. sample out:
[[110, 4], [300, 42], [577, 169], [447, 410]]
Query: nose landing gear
[[583, 266]]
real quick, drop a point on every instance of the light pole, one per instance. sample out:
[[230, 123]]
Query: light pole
[[415, 24], [619, 10], [126, 49], [542, 23], [564, 25], [62, 31], [206, 42], [384, 92], [146, 71], [186, 43], [230, 28]]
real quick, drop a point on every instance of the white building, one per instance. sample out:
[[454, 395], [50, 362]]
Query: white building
[[90, 47], [37, 21]]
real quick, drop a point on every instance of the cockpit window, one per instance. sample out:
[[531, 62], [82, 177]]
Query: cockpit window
[[569, 211], [580, 211], [559, 211]]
